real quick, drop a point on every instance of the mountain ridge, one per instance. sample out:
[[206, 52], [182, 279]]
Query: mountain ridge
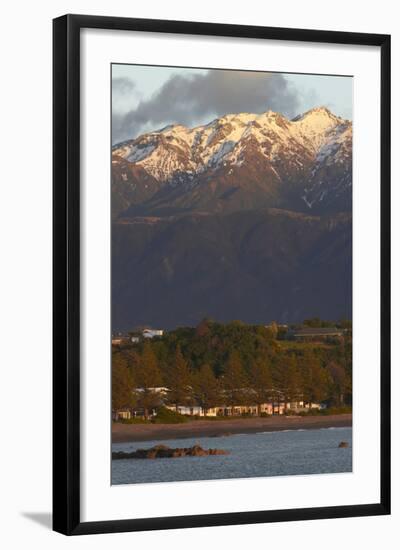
[[269, 155]]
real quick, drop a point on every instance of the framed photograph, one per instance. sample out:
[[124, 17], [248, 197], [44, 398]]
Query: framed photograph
[[221, 274]]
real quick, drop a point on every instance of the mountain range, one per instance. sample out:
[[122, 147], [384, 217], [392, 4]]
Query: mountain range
[[248, 217]]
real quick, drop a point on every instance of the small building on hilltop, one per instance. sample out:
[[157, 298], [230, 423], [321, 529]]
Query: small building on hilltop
[[119, 339], [152, 332], [308, 334]]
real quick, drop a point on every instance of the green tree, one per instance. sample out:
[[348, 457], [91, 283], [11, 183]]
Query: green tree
[[315, 379], [179, 381], [234, 381], [131, 358], [272, 330], [279, 378], [339, 382], [206, 388], [345, 324], [286, 378], [122, 395], [314, 322], [260, 381], [292, 380], [203, 328], [148, 378]]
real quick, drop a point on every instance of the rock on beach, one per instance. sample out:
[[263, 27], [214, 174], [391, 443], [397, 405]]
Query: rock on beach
[[162, 451]]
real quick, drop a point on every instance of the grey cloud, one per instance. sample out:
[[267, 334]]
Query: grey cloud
[[122, 85], [188, 99]]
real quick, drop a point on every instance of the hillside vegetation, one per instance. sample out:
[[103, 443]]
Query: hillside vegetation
[[217, 362]]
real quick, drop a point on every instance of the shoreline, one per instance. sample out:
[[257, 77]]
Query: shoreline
[[126, 433]]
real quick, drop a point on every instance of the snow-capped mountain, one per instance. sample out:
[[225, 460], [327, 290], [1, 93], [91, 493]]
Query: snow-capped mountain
[[247, 217], [240, 161]]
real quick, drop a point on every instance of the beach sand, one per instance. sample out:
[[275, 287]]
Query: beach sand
[[122, 433]]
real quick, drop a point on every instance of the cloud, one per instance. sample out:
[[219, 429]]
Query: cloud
[[123, 91], [192, 98], [122, 85]]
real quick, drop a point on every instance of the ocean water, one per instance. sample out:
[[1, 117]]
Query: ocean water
[[287, 452]]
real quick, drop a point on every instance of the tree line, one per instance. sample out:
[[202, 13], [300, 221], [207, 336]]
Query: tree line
[[230, 364]]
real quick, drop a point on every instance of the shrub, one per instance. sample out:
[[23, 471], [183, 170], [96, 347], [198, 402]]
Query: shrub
[[326, 412], [338, 410], [314, 412], [133, 420], [167, 416]]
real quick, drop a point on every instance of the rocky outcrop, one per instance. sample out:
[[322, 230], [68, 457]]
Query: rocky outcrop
[[162, 451]]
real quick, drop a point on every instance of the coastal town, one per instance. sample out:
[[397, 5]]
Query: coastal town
[[272, 407], [197, 373]]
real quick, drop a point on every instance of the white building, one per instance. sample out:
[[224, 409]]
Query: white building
[[269, 408], [151, 332]]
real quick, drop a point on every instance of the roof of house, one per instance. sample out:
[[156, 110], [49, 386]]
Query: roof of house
[[309, 331]]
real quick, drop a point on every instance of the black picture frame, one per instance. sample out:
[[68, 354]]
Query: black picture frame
[[66, 273]]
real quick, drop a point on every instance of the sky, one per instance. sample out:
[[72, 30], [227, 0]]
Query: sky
[[146, 98]]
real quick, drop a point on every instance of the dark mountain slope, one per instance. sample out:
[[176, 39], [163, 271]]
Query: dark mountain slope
[[254, 265]]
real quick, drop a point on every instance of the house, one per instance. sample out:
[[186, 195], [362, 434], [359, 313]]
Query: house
[[158, 390], [191, 411], [274, 405], [270, 408], [118, 340], [308, 333], [151, 333], [121, 414]]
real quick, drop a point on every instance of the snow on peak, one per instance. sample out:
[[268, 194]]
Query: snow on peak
[[315, 124], [177, 149], [320, 112]]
